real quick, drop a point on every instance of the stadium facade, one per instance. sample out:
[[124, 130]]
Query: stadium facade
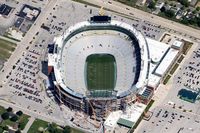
[[70, 74]]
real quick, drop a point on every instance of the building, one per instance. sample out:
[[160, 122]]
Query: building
[[5, 10], [30, 13], [74, 74]]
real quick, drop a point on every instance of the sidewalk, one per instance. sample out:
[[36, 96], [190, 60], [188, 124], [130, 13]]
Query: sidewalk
[[28, 125]]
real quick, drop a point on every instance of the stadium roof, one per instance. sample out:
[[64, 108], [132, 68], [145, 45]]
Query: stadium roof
[[157, 49], [71, 36], [154, 80], [166, 62], [161, 55], [157, 52]]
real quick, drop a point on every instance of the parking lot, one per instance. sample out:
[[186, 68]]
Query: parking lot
[[76, 12], [24, 86], [186, 77], [191, 72], [6, 22], [170, 113], [166, 119]]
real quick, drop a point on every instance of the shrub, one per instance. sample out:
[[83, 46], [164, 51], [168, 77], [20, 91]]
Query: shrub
[[14, 118], [9, 109], [1, 130], [5, 128], [19, 113], [169, 13], [152, 5], [21, 125], [5, 116], [67, 129], [18, 131]]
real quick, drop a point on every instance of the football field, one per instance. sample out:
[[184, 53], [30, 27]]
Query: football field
[[101, 72]]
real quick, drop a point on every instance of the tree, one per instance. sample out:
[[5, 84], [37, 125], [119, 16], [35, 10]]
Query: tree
[[19, 113], [193, 21], [18, 131], [169, 13], [5, 128], [198, 21], [14, 118], [53, 128], [152, 5], [188, 10], [9, 109], [185, 21], [67, 129], [198, 8], [1, 129], [194, 11], [184, 2], [5, 116], [182, 8], [163, 9], [21, 125]]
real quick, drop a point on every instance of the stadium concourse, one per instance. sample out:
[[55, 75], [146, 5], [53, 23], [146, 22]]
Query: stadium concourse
[[68, 72]]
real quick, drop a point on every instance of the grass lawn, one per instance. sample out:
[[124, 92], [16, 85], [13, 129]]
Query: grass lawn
[[101, 72], [141, 117], [40, 123], [2, 110], [86, 3], [36, 124], [180, 59], [1, 130], [23, 120], [149, 105], [166, 79], [73, 130], [6, 48], [8, 122], [174, 68], [128, 2], [186, 47]]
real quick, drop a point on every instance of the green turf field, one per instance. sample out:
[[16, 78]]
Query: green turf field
[[100, 72]]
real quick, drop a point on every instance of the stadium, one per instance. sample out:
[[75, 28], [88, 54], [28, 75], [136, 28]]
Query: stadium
[[98, 66]]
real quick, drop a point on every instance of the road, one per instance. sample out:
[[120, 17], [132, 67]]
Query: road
[[121, 8]]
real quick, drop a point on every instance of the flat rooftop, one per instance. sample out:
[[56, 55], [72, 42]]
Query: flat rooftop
[[131, 115], [157, 49], [166, 62]]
